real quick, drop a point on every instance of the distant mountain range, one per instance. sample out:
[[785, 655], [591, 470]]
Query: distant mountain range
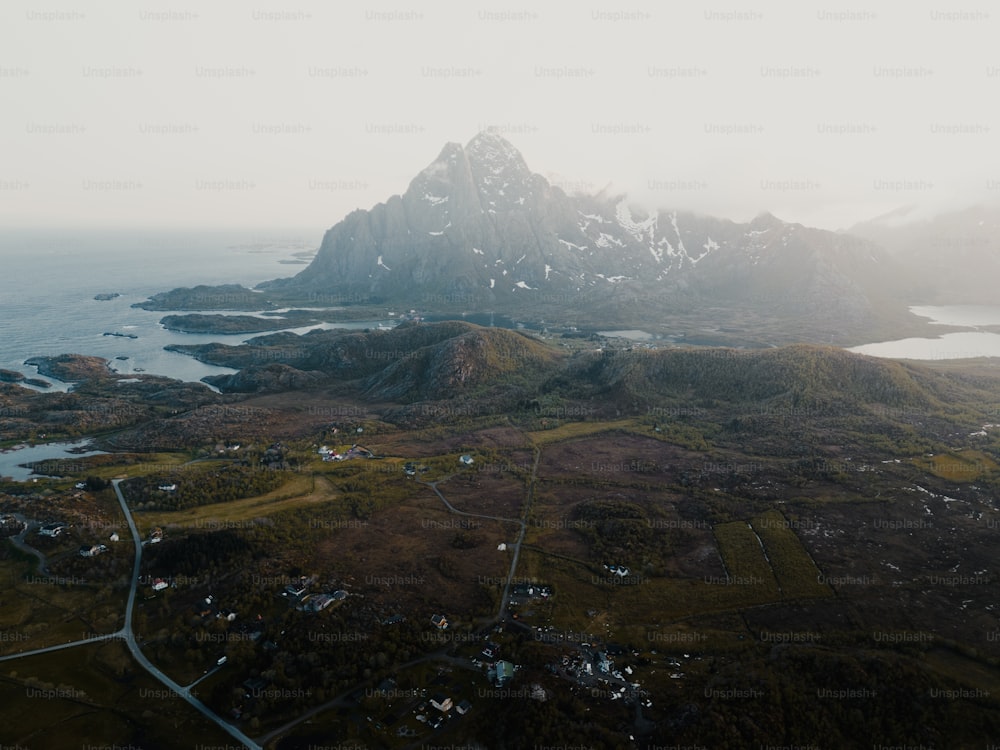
[[954, 257], [477, 230]]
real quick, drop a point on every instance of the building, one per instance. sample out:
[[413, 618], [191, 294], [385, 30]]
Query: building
[[168, 488], [320, 602], [159, 584], [296, 590], [92, 550], [441, 702], [53, 529], [463, 707], [466, 460], [439, 621], [504, 671]]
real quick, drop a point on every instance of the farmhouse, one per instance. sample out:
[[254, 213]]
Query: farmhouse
[[439, 621], [53, 529], [92, 550]]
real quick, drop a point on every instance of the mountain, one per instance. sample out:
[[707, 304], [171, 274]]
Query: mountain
[[412, 362], [955, 255], [420, 371], [477, 230]]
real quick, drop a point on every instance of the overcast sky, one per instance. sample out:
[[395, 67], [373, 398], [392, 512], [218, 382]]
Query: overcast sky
[[295, 113]]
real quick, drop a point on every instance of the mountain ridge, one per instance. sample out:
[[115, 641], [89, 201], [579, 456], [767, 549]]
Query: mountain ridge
[[476, 229]]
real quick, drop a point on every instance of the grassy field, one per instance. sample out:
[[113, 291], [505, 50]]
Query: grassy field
[[94, 696], [301, 490], [573, 430], [40, 611], [958, 466], [744, 557], [795, 571]]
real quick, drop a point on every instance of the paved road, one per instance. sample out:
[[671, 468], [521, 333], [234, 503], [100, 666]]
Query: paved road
[[140, 657], [505, 599], [18, 541], [61, 646], [126, 634]]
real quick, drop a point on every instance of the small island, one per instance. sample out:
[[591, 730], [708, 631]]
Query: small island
[[105, 296], [203, 297], [234, 324], [121, 335], [11, 376]]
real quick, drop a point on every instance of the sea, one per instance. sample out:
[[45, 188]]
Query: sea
[[49, 278]]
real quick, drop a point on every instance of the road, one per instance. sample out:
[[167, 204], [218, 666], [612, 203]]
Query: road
[[18, 541], [133, 646], [522, 522], [441, 655], [125, 633]]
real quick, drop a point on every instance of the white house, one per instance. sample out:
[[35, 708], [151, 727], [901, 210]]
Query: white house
[[441, 702]]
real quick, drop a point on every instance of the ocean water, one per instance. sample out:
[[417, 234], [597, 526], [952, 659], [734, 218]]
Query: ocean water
[[48, 279]]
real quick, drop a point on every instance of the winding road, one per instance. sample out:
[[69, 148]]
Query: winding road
[[125, 633], [505, 599]]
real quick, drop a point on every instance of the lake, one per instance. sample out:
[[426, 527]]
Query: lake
[[36, 454], [956, 345]]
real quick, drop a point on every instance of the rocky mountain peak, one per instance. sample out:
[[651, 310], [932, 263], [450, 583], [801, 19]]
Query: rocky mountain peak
[[765, 220]]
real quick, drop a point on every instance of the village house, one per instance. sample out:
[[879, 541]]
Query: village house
[[92, 550], [463, 707], [439, 621], [296, 590], [53, 529], [320, 602], [441, 702], [501, 673]]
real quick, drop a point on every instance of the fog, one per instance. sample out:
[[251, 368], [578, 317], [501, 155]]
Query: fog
[[294, 114]]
